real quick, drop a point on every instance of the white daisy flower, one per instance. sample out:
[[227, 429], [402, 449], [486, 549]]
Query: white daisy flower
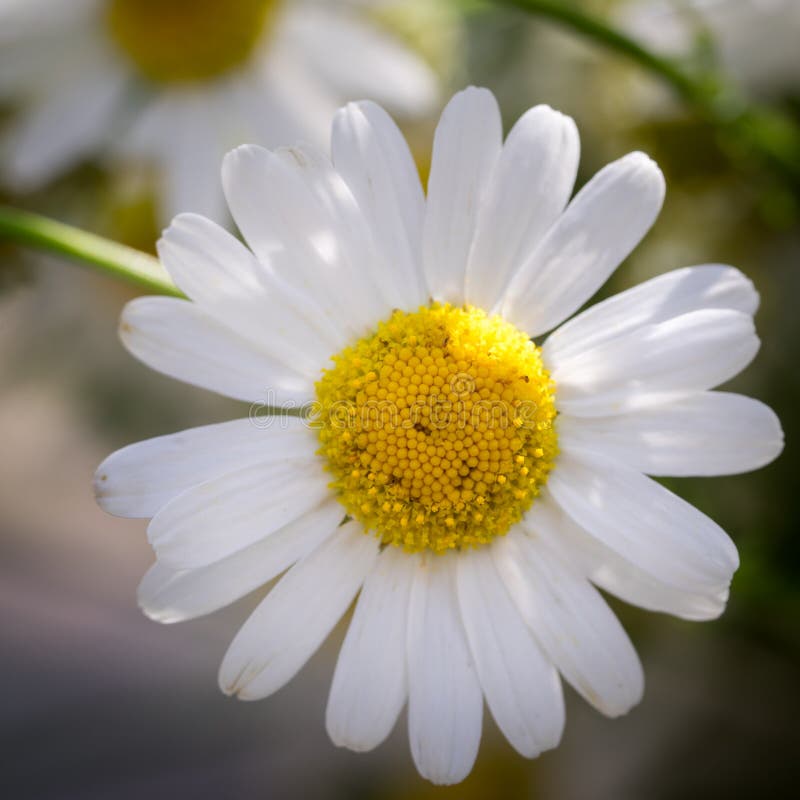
[[466, 487], [176, 83], [755, 40]]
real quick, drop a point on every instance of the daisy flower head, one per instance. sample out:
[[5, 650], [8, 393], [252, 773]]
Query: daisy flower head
[[174, 84], [470, 490]]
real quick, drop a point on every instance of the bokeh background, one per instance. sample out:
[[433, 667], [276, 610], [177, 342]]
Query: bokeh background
[[99, 702]]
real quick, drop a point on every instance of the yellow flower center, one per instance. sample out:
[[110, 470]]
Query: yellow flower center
[[188, 40], [438, 427]]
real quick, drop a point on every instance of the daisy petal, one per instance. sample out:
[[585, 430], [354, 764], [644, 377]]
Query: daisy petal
[[354, 247], [611, 571], [529, 188], [223, 515], [657, 300], [713, 433], [295, 617], [573, 624], [167, 595], [598, 230], [227, 281], [370, 684], [300, 218], [445, 705], [655, 363], [654, 529], [142, 478], [521, 686], [465, 148], [371, 154], [176, 338]]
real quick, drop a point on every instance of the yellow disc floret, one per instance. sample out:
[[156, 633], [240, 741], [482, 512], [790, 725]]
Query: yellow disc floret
[[188, 40], [438, 427]]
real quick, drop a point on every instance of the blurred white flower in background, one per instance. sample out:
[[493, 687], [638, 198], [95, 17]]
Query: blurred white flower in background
[[174, 84], [756, 41]]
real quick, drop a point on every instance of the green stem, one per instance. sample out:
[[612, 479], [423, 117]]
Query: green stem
[[760, 131], [141, 269], [564, 13]]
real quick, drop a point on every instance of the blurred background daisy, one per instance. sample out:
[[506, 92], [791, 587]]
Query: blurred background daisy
[[756, 41], [171, 85], [104, 126]]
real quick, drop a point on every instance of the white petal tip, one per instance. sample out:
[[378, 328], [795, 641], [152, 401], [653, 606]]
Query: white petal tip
[[176, 559], [356, 106], [474, 94], [646, 167], [713, 608], [614, 712], [444, 780], [100, 483], [630, 697], [129, 319], [237, 158], [244, 151], [233, 685], [108, 499], [347, 742], [242, 685], [640, 158], [181, 224], [160, 615], [775, 442], [249, 697]]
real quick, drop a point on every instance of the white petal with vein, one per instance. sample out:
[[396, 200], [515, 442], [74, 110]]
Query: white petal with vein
[[650, 526], [612, 571], [529, 187], [600, 227], [656, 363], [521, 685], [445, 704], [169, 595], [223, 515], [295, 617], [177, 338], [140, 479], [370, 683], [711, 433], [657, 300], [372, 156], [229, 283], [466, 145], [572, 622]]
